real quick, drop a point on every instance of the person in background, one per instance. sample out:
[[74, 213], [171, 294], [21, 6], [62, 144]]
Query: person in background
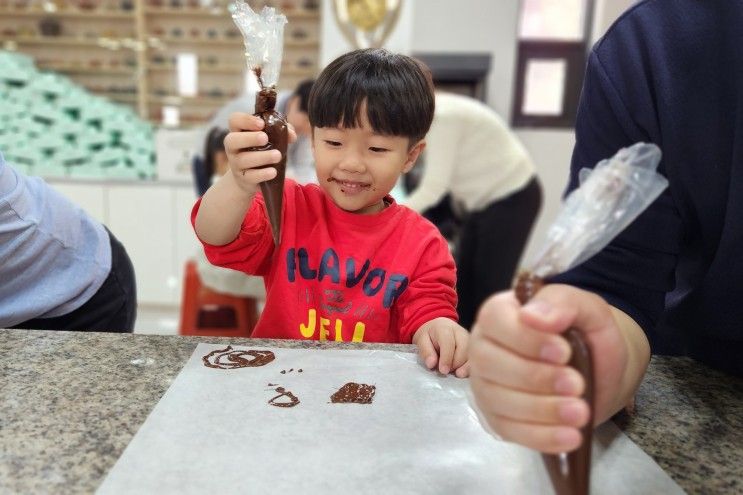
[[59, 268], [352, 264], [481, 165], [213, 161], [669, 72], [299, 161]]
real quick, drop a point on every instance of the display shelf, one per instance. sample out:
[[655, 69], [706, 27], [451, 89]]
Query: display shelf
[[229, 69], [176, 100], [70, 41], [73, 69], [69, 14], [170, 40], [123, 43], [219, 11]]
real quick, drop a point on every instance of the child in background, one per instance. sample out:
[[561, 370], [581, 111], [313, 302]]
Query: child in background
[[215, 156], [352, 264]]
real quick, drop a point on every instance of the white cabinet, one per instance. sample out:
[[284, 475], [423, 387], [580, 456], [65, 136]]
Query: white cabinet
[[142, 219], [152, 221], [89, 198]]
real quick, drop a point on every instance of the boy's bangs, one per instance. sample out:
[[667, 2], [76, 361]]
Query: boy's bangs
[[344, 102], [397, 97]]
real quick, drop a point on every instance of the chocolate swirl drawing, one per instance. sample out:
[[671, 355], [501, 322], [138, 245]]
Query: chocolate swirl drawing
[[228, 359], [284, 399]]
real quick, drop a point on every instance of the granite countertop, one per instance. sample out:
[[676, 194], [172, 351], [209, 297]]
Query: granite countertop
[[71, 402]]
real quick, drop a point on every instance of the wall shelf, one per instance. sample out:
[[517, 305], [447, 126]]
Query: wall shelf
[[70, 14], [100, 46]]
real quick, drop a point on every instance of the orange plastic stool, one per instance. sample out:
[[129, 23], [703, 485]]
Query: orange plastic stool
[[210, 313]]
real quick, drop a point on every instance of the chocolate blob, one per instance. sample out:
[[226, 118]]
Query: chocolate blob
[[570, 473], [354, 393], [277, 130]]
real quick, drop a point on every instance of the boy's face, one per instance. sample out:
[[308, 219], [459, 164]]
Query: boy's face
[[357, 167]]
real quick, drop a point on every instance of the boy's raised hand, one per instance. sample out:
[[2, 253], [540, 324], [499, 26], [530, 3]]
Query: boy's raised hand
[[442, 344], [250, 168]]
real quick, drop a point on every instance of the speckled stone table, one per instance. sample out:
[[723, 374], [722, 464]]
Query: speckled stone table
[[71, 402]]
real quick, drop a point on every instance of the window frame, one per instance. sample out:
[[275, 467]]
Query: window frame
[[575, 55]]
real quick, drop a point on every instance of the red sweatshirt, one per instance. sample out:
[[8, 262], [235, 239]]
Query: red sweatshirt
[[342, 276]]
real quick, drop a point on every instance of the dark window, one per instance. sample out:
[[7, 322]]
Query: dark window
[[552, 48]]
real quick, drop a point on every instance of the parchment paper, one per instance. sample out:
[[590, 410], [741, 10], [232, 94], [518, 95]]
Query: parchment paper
[[214, 432]]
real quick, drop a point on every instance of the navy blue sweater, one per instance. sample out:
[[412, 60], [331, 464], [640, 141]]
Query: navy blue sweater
[[671, 72]]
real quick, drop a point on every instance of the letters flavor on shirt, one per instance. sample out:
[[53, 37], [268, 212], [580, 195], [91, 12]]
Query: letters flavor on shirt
[[352, 294]]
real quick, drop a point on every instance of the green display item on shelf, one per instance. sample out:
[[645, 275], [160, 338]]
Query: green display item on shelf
[[121, 171], [92, 139], [14, 106], [11, 74], [53, 143], [33, 129], [24, 155], [71, 157], [9, 138], [46, 83], [109, 157], [54, 128], [47, 168], [95, 112], [45, 114], [86, 172], [19, 59], [23, 169], [71, 128], [120, 126]]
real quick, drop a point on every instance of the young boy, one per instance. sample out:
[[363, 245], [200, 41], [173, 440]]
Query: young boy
[[352, 264]]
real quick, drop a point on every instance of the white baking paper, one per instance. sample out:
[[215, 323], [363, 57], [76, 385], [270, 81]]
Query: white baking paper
[[214, 432]]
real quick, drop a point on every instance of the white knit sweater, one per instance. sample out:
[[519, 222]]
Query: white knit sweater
[[471, 154]]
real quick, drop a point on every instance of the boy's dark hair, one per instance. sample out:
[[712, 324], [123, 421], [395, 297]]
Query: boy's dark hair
[[397, 89], [303, 91]]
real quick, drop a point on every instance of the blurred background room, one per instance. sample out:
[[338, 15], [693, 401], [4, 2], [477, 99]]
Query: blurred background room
[[119, 105]]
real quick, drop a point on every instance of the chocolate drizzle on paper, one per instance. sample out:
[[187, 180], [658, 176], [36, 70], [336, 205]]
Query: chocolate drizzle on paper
[[228, 359], [293, 400]]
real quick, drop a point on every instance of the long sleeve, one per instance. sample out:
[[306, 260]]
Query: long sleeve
[[432, 292], [251, 251], [634, 272]]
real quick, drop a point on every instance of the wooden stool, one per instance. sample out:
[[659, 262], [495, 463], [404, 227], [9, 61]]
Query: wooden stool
[[210, 313]]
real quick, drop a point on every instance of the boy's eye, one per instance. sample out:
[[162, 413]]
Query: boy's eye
[[332, 143], [377, 149]]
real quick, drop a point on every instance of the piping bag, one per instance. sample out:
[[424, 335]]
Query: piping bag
[[263, 35], [609, 198]]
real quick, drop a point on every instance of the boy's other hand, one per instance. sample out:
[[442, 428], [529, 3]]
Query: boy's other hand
[[250, 168], [442, 344]]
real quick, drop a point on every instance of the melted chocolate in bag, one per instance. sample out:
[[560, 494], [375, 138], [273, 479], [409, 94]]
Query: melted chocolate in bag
[[278, 139], [570, 473]]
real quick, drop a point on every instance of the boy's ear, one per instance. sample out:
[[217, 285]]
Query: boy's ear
[[413, 155]]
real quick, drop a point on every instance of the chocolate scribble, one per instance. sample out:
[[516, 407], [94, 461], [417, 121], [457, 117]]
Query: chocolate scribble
[[293, 399], [354, 393], [227, 359]]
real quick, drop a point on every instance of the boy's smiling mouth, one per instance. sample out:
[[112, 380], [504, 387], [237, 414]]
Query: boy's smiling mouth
[[349, 186]]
